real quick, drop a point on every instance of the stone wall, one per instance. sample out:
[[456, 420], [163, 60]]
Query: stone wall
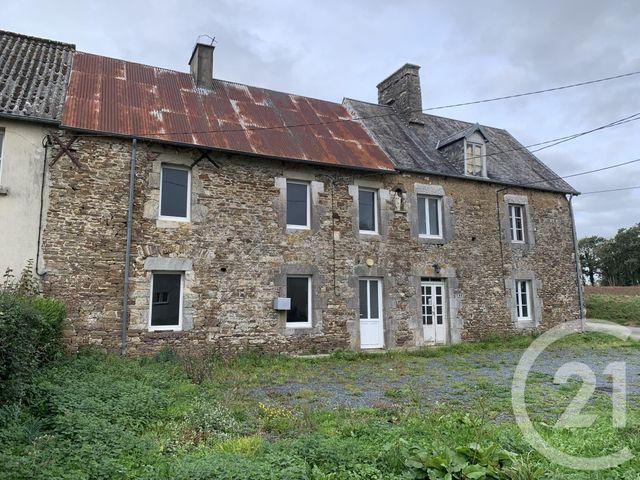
[[241, 251]]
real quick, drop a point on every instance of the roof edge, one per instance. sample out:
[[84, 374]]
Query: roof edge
[[39, 39]]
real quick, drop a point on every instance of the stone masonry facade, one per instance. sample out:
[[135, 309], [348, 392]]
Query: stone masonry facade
[[236, 252]]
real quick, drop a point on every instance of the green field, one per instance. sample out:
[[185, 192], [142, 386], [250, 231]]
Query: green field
[[622, 309], [255, 417]]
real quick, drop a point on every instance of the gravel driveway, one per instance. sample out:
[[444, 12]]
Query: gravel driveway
[[450, 379]]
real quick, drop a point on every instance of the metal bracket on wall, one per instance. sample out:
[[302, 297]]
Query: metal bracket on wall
[[65, 149], [204, 155]]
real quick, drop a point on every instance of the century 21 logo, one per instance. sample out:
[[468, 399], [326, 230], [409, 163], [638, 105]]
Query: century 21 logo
[[572, 417]]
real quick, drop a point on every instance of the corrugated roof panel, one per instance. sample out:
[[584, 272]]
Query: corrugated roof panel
[[118, 97], [34, 73]]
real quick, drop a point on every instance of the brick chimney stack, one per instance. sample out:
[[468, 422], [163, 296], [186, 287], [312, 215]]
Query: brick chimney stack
[[201, 63], [401, 90]]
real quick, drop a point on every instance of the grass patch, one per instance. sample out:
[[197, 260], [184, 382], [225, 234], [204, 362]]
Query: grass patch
[[621, 309], [98, 416]]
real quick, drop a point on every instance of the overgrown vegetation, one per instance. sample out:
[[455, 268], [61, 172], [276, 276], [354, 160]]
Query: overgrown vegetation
[[106, 417], [616, 308], [30, 333]]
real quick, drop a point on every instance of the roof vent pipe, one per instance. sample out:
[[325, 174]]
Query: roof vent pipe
[[201, 63]]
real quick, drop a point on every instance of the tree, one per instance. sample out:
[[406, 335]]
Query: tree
[[589, 249], [620, 258]]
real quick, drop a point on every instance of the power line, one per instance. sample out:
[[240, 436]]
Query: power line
[[608, 167], [535, 92], [611, 190]]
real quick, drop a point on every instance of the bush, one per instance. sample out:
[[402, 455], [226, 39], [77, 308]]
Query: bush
[[30, 336]]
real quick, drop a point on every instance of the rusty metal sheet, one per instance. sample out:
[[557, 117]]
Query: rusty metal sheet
[[133, 100]]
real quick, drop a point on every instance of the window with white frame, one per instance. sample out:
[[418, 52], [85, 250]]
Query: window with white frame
[[475, 159], [429, 216], [299, 291], [1, 143], [175, 193], [166, 301], [368, 210], [516, 223], [523, 300], [298, 205]]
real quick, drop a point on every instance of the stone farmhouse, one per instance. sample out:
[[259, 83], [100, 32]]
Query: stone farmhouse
[[177, 209]]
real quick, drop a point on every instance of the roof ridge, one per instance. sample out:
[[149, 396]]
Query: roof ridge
[[38, 39], [214, 79]]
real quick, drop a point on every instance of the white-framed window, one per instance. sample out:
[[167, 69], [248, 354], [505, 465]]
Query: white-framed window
[[298, 205], [368, 210], [175, 193], [523, 300], [299, 291], [166, 301], [1, 144], [429, 216], [474, 159], [516, 223]]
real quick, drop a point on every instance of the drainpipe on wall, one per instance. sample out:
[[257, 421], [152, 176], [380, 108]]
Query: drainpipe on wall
[[127, 255], [45, 144], [578, 268]]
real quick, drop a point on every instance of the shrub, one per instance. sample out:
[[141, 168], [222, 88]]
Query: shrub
[[197, 365], [204, 423], [30, 336], [469, 462]]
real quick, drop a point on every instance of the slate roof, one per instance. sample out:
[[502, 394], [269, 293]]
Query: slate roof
[[114, 96], [33, 76], [414, 148]]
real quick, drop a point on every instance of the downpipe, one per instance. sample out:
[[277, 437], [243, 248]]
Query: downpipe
[[127, 255], [578, 267]]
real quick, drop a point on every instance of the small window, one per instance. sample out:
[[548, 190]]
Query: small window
[[175, 193], [474, 159], [368, 210], [430, 217], [299, 291], [298, 205], [166, 301], [516, 223], [1, 143], [523, 300]]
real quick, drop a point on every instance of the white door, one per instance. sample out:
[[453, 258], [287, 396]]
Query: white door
[[371, 328], [434, 317]]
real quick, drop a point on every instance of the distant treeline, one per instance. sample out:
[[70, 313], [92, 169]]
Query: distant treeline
[[612, 261]]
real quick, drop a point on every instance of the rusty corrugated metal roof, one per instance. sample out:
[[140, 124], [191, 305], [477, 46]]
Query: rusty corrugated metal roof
[[124, 98]]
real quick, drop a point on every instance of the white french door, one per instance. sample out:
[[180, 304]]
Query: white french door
[[371, 327], [434, 313]]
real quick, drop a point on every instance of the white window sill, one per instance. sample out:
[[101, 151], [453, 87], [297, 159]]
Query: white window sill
[[430, 237], [175, 328], [299, 326], [368, 232], [298, 227], [174, 219]]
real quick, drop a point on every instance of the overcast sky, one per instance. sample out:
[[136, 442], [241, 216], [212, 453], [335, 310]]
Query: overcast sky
[[467, 50]]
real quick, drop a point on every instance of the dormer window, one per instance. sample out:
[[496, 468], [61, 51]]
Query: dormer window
[[475, 159]]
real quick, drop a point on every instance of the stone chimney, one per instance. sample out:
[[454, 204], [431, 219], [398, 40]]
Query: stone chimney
[[201, 63], [401, 90]]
